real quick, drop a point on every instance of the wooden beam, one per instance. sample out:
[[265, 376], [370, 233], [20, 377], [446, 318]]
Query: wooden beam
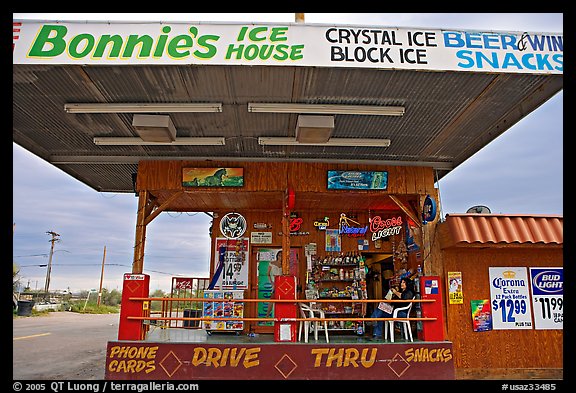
[[406, 210], [163, 206]]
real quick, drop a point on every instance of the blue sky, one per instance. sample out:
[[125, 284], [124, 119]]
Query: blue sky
[[521, 172]]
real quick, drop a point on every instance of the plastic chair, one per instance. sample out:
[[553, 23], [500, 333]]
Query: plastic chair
[[405, 324], [314, 312], [305, 312]]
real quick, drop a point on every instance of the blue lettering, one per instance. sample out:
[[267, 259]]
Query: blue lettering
[[559, 58], [465, 55], [543, 62], [493, 63], [470, 38], [452, 39], [526, 62], [509, 41], [511, 61]]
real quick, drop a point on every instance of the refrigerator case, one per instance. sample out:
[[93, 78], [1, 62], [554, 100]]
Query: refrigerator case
[[224, 312]]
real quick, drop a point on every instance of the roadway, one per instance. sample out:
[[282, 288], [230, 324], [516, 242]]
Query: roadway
[[62, 345]]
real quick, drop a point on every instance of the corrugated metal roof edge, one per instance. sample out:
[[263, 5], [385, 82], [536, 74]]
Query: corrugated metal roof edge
[[498, 229]]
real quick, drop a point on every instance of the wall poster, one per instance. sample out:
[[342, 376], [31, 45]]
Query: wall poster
[[481, 315], [232, 269], [455, 288], [510, 298], [357, 180], [547, 286], [212, 177], [270, 266]]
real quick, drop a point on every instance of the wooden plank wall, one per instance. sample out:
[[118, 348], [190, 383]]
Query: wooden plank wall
[[275, 176], [498, 354]]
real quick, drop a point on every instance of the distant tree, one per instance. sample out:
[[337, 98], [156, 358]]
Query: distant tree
[[112, 298], [156, 305]]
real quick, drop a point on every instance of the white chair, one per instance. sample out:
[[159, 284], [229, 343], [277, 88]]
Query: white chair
[[314, 312], [405, 324], [305, 312]]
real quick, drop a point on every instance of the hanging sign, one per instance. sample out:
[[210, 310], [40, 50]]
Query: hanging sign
[[233, 225], [510, 298], [347, 227], [429, 210], [322, 224], [383, 228], [234, 272], [547, 286], [357, 180]]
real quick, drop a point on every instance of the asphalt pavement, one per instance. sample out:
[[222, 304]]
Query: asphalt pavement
[[62, 345]]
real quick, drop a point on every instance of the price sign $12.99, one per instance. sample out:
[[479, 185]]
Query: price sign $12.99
[[510, 308]]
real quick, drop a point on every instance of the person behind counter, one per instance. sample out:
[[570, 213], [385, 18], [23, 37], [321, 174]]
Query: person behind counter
[[384, 310]]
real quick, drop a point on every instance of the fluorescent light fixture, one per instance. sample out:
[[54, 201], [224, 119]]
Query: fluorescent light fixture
[[326, 109], [143, 108], [281, 141], [130, 141]]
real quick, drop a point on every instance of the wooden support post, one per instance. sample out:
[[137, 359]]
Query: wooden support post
[[140, 241]]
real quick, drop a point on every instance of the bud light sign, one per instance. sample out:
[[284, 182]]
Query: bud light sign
[[548, 297]]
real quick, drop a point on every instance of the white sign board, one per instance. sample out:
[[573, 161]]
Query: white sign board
[[547, 286], [231, 263], [183, 43], [261, 237], [510, 298]]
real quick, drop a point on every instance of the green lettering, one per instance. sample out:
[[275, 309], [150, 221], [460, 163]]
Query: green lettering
[[278, 34], [253, 34], [104, 41], [282, 53], [174, 46], [144, 42], [296, 53], [76, 44], [266, 51], [161, 44], [234, 50], [251, 52], [52, 36], [242, 33], [210, 49]]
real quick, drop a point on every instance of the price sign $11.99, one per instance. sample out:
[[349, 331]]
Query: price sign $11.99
[[550, 308]]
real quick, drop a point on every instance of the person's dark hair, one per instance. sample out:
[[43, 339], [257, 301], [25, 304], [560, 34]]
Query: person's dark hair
[[409, 283]]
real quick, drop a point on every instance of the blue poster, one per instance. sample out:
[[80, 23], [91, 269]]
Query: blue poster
[[357, 180]]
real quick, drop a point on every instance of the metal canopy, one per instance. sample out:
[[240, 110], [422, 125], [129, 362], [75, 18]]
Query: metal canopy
[[448, 115]]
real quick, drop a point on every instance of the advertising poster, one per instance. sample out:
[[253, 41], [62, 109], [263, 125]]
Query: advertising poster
[[547, 286], [455, 288], [510, 298], [333, 240], [481, 315], [233, 273], [270, 266], [357, 180]]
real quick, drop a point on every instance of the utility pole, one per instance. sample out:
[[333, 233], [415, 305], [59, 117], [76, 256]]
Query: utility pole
[[48, 271], [101, 278]]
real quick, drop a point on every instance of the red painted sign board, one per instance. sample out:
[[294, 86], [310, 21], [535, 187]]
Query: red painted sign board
[[127, 360]]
